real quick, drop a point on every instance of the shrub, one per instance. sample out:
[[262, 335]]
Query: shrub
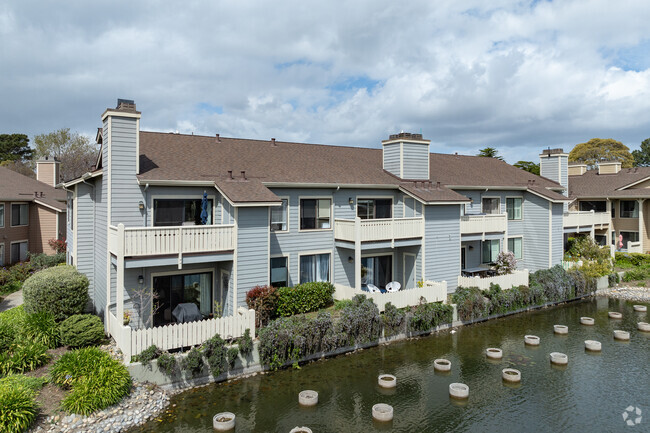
[[20, 380], [613, 279], [427, 316], [193, 362], [262, 299], [41, 328], [82, 330], [97, 380], [343, 303], [585, 248], [360, 322], [304, 298], [167, 364], [20, 272], [61, 290], [629, 260], [57, 245], [216, 354], [555, 282], [596, 269], [636, 274], [394, 320], [245, 343], [505, 263], [471, 303], [18, 408], [147, 355], [22, 357], [231, 356], [7, 335], [42, 260]]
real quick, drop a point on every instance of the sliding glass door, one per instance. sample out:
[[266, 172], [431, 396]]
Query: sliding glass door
[[377, 271], [172, 290]]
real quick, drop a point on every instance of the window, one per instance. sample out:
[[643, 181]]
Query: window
[[19, 214], [315, 214], [490, 205], [629, 209], [613, 211], [18, 251], [377, 271], [172, 290], [513, 207], [629, 237], [279, 217], [596, 206], [409, 207], [314, 268], [515, 245], [2, 216], [2, 255], [70, 213], [490, 251], [374, 208], [279, 274], [179, 212], [601, 240]]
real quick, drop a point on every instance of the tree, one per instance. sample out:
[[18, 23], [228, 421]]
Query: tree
[[528, 166], [14, 147], [23, 167], [76, 152], [642, 157], [490, 152], [600, 150]]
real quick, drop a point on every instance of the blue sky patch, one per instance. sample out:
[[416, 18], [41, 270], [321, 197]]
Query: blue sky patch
[[205, 106], [636, 58], [354, 83]]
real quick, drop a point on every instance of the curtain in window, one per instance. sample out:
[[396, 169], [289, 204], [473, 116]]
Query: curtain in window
[[367, 271], [314, 268], [323, 268], [205, 283], [490, 251]]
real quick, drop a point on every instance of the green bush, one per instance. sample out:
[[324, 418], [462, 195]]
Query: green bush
[[636, 274], [167, 364], [20, 380], [97, 380], [7, 336], [585, 248], [613, 279], [245, 343], [82, 330], [630, 260], [470, 303], [147, 355], [18, 408], [22, 357], [394, 320], [41, 328], [42, 260], [304, 298], [264, 300], [193, 362], [61, 290], [342, 304], [427, 316], [217, 355]]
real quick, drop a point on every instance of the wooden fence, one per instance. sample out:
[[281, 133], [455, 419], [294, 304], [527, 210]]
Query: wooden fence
[[517, 278], [175, 336], [432, 291]]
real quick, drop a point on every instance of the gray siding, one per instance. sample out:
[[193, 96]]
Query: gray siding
[[391, 155], [416, 161], [84, 256], [252, 250], [535, 242], [99, 283], [557, 234], [548, 167], [442, 244]]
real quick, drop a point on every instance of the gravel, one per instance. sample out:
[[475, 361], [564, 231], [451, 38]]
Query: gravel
[[635, 294]]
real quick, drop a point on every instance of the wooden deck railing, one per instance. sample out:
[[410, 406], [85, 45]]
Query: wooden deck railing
[[492, 223], [378, 229]]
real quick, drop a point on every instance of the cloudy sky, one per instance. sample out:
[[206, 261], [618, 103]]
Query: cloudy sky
[[516, 75]]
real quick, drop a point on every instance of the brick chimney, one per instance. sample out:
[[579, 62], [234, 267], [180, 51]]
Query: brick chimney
[[47, 170]]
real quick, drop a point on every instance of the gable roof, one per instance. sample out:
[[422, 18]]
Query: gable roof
[[619, 185], [17, 187]]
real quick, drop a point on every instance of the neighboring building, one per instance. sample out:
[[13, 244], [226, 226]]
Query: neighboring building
[[285, 213], [32, 212]]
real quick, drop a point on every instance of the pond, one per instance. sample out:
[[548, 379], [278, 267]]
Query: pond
[[590, 394]]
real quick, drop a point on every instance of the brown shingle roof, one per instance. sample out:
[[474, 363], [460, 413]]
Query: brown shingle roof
[[594, 185], [17, 187]]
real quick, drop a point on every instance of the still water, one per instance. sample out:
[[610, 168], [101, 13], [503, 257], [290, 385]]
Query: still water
[[590, 394]]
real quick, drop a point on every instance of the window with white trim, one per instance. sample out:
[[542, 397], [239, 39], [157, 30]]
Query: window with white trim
[[279, 272], [279, 217], [515, 245], [374, 208], [490, 251], [18, 251], [513, 207], [314, 268], [2, 215], [629, 237], [19, 214], [629, 209], [2, 254], [315, 213], [490, 205]]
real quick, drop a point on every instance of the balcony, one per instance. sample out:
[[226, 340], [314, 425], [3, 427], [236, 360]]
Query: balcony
[[481, 224], [587, 220], [153, 241], [385, 229]]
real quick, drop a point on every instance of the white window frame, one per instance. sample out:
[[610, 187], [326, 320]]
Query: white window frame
[[184, 272], [628, 231], [317, 253], [300, 229], [2, 220], [497, 198], [11, 258], [277, 256], [153, 197], [522, 246], [12, 213], [286, 216], [378, 197], [620, 210], [521, 212]]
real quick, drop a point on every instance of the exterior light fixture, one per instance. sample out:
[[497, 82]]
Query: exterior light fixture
[[141, 205], [350, 200], [140, 279], [350, 259]]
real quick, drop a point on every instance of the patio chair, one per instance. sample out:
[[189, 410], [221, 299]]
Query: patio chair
[[373, 289], [393, 286]]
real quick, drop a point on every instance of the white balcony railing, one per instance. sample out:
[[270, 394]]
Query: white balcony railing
[[586, 219], [492, 223], [151, 241], [378, 229]]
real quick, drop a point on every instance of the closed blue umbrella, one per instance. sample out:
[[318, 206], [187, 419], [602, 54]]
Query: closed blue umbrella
[[204, 209]]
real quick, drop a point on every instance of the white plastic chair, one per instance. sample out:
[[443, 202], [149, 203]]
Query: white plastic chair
[[393, 286], [373, 289]]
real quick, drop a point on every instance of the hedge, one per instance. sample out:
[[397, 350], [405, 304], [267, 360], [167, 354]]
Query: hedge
[[61, 290], [82, 330], [304, 298]]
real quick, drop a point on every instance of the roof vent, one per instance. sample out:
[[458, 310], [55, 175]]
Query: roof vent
[[243, 175], [273, 142], [218, 139]]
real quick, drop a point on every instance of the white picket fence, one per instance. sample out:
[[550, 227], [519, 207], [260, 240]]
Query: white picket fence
[[517, 278], [174, 336], [569, 265], [432, 291]]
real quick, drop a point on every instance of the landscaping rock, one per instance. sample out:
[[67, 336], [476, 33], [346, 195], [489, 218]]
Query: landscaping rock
[[638, 294]]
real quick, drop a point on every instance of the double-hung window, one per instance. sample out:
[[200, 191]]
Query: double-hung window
[[279, 217], [515, 246], [629, 209], [314, 268], [2, 216], [279, 274], [490, 250], [490, 205], [19, 214], [2, 255], [18, 251], [513, 207], [374, 208], [315, 213]]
